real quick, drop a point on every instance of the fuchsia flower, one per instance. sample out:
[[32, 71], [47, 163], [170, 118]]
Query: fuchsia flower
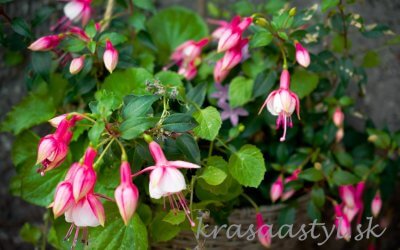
[[166, 180], [376, 204], [338, 117], [263, 231], [282, 103], [77, 10], [63, 198], [219, 73], [234, 56], [126, 194], [84, 177], [223, 25], [55, 122], [46, 43], [276, 189], [232, 113], [189, 71], [53, 148], [188, 51], [302, 55], [232, 35], [342, 223], [76, 65], [110, 57], [347, 194], [289, 193]]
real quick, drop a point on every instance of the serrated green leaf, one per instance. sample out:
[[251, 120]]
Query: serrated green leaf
[[247, 166], [95, 132], [304, 82], [162, 231], [240, 91], [213, 175], [135, 126], [261, 38], [209, 121]]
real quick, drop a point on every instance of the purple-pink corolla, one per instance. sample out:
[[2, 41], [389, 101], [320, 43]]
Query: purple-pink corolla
[[232, 35], [276, 189], [283, 103], [221, 94]]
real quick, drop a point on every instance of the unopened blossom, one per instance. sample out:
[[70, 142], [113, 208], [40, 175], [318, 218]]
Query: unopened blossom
[[55, 122], [46, 43], [219, 73], [110, 57], [233, 33], [63, 198], [77, 65], [282, 103], [166, 180], [189, 70], [76, 10], [350, 212], [338, 117], [233, 56], [339, 134], [79, 33], [222, 26], [276, 189], [342, 223], [376, 204], [289, 193], [347, 194], [84, 177], [53, 148], [188, 51], [126, 194], [302, 55], [232, 113], [263, 231]]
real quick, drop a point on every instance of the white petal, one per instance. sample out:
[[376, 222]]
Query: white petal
[[172, 181], [84, 216], [277, 104], [73, 10]]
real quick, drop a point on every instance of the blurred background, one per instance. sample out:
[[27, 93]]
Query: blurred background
[[380, 101]]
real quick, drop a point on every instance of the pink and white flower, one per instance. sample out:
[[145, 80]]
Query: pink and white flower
[[263, 231], [342, 223], [233, 56], [188, 51], [46, 43], [84, 177], [276, 189], [63, 198], [338, 117], [282, 103], [219, 73], [110, 57], [77, 65], [76, 10], [347, 194], [232, 35], [302, 55]]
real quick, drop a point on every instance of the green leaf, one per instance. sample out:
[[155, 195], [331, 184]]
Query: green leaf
[[130, 81], [106, 103], [379, 138], [34, 109], [41, 63], [261, 38], [318, 196], [213, 175], [327, 4], [341, 177], [188, 146], [247, 166], [138, 105], [90, 29], [240, 91], [311, 174], [344, 159], [371, 59], [169, 79], [115, 235], [209, 121], [21, 27], [95, 132], [196, 96], [313, 212], [114, 37], [30, 234], [168, 32], [179, 122], [175, 217], [73, 44], [161, 230], [286, 216], [304, 82], [144, 4], [135, 126]]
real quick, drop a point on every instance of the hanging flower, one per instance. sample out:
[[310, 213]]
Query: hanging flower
[[263, 231], [302, 55], [84, 177], [110, 57], [233, 33], [76, 10], [376, 204], [46, 43], [276, 189]]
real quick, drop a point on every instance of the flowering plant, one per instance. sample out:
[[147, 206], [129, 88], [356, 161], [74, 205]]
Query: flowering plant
[[149, 109]]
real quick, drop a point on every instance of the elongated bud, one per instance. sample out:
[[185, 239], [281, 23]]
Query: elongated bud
[[76, 65], [376, 204], [126, 194], [302, 55], [263, 231], [219, 73], [110, 57], [285, 79], [277, 189], [63, 198], [85, 177], [45, 43], [292, 11], [338, 117]]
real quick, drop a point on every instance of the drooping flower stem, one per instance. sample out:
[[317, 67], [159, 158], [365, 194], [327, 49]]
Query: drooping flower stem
[[96, 164], [82, 115], [285, 66], [250, 200], [124, 156]]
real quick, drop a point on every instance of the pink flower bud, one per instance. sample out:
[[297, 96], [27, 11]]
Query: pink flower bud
[[376, 204], [302, 55], [57, 120], [263, 231], [188, 71], [110, 57], [219, 74], [233, 56], [63, 198], [126, 194], [80, 33], [188, 51], [276, 189], [233, 33], [338, 117], [342, 223], [84, 178], [339, 135], [45, 43], [347, 194], [76, 65]]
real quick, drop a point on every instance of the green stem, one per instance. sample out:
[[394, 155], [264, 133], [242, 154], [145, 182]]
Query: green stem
[[164, 114], [253, 203], [103, 153], [124, 156], [83, 115], [210, 149], [192, 182], [285, 66], [224, 145]]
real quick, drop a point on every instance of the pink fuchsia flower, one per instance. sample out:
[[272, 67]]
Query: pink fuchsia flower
[[189, 70], [376, 204], [263, 231], [347, 194], [126, 194], [302, 55], [223, 25], [110, 57], [77, 65], [350, 212], [88, 212], [233, 33], [233, 56], [232, 113], [63, 198], [80, 33], [338, 117], [342, 223], [219, 73], [77, 10], [84, 177], [276, 189], [188, 51], [282, 103], [55, 122], [53, 148], [166, 180], [46, 43]]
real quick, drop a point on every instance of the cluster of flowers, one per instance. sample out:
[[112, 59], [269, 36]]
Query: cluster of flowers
[[352, 205], [76, 10], [74, 196]]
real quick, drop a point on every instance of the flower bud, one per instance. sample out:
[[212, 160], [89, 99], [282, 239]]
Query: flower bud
[[110, 57], [263, 231], [76, 65], [84, 177], [376, 204], [338, 117], [45, 43], [63, 198], [276, 189], [302, 55]]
